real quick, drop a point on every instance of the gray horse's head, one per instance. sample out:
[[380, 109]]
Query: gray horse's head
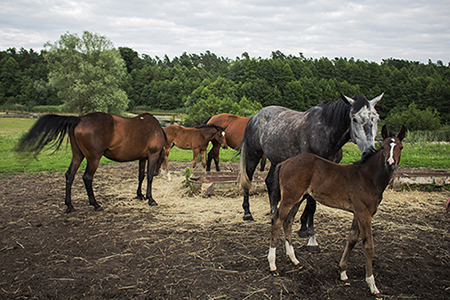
[[364, 122]]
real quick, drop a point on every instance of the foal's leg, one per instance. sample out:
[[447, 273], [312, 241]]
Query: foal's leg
[[287, 228], [203, 157], [194, 158], [88, 177], [273, 188], [77, 158], [351, 242], [367, 238], [278, 219], [141, 176]]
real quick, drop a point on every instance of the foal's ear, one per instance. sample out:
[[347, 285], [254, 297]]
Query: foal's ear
[[347, 100], [384, 132], [402, 133]]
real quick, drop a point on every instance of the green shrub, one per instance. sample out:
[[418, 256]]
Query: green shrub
[[414, 118]]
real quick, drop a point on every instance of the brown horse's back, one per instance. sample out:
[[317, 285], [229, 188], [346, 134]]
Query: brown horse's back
[[234, 127], [119, 138]]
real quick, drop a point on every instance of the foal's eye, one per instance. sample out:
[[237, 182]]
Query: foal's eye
[[401, 148], [382, 147]]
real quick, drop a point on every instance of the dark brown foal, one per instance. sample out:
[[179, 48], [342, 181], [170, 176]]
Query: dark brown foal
[[357, 188]]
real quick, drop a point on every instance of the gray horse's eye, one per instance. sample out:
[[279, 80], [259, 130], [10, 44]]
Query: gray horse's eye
[[354, 120]]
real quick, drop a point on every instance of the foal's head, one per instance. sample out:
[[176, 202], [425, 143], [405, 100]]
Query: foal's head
[[364, 122], [220, 137], [392, 147]]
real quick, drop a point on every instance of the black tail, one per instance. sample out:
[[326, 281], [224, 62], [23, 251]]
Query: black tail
[[47, 130]]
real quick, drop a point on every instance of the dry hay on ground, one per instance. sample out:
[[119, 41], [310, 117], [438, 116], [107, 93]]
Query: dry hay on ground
[[199, 248]]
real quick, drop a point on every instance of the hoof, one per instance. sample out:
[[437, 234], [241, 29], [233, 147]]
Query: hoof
[[98, 208], [248, 217], [313, 249], [345, 282], [152, 203], [69, 210], [275, 273], [377, 296], [302, 234]]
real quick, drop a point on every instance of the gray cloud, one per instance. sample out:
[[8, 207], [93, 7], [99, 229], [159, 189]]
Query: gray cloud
[[367, 30]]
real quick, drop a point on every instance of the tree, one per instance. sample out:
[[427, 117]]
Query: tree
[[88, 73]]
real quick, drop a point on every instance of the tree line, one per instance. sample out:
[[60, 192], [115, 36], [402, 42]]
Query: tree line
[[205, 84]]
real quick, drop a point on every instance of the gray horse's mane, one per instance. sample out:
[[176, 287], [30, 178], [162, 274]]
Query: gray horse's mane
[[338, 111]]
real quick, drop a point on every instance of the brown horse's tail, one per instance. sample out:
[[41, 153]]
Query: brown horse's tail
[[246, 184], [49, 129]]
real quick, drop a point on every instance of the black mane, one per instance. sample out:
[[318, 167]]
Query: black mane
[[338, 111]]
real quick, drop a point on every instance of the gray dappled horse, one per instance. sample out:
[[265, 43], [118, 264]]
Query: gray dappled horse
[[281, 133]]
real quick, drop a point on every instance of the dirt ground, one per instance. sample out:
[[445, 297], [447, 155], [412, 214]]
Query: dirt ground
[[194, 247]]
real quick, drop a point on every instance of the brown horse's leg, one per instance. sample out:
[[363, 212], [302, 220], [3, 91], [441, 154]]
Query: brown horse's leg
[[166, 162], [213, 154], [88, 177], [151, 171], [141, 176], [351, 242], [77, 158]]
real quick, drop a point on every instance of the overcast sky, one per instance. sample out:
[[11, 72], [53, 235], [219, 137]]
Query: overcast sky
[[365, 30]]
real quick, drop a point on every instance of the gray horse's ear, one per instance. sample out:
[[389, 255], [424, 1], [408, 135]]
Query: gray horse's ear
[[375, 100], [347, 100]]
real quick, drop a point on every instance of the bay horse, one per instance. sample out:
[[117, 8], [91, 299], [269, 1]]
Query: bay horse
[[195, 139], [356, 188], [281, 133], [234, 133], [100, 134]]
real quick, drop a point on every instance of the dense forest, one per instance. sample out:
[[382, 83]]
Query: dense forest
[[204, 84]]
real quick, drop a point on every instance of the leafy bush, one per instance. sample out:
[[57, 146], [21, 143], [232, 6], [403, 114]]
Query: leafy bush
[[414, 118]]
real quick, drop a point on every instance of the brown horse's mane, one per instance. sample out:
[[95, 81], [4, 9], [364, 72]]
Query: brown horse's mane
[[209, 126]]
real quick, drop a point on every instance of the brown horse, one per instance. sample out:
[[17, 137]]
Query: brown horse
[[356, 188], [195, 139], [234, 133], [99, 134]]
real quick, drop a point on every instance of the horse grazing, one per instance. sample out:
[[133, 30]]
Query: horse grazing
[[356, 188], [99, 134], [195, 139], [281, 133], [234, 133]]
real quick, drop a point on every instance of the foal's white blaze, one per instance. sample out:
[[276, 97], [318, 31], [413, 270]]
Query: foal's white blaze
[[271, 258], [291, 253], [391, 160], [371, 283], [223, 133]]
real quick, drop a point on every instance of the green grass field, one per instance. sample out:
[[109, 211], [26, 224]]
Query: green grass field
[[428, 155]]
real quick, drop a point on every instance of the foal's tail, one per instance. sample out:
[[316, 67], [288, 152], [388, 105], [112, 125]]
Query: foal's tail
[[246, 184], [49, 129]]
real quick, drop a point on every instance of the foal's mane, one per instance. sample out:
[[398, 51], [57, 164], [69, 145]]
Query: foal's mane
[[338, 111]]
